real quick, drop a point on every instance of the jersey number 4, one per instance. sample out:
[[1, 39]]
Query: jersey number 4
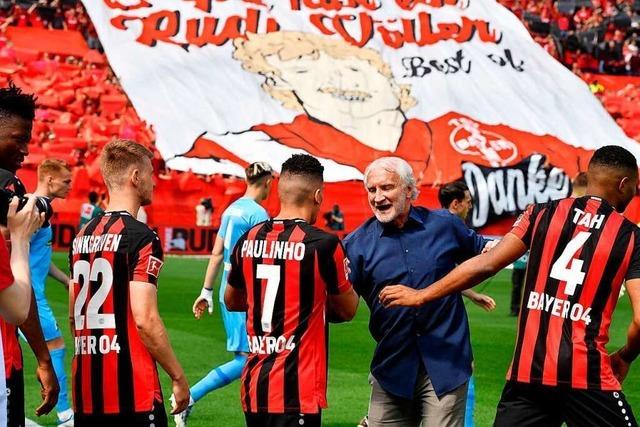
[[83, 272], [572, 275]]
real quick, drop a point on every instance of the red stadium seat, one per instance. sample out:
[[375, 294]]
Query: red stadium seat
[[112, 104], [64, 130]]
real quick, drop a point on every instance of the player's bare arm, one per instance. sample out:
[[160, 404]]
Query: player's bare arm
[[482, 300], [465, 276], [205, 300], [15, 300], [621, 360], [44, 372], [235, 299], [342, 307], [144, 308], [58, 274]]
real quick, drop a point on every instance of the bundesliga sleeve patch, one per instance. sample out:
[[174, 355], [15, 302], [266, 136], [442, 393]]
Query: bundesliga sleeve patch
[[154, 266], [347, 268]]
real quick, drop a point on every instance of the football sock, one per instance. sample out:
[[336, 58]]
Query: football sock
[[219, 377], [57, 358], [471, 400]]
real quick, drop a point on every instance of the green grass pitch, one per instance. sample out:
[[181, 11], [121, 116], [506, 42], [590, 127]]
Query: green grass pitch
[[200, 346]]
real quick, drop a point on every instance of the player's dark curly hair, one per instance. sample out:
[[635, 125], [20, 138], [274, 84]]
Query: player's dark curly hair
[[14, 102], [303, 164], [614, 157]]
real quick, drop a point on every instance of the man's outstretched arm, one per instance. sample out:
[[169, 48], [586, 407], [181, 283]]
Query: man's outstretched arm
[[465, 276]]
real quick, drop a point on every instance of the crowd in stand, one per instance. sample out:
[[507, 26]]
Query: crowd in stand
[[585, 35], [49, 14]]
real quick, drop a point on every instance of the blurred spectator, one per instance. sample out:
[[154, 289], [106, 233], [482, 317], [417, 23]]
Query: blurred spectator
[[90, 210], [596, 87], [178, 243], [335, 219], [204, 212], [579, 185]]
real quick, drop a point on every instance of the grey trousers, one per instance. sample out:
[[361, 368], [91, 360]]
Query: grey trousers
[[426, 410]]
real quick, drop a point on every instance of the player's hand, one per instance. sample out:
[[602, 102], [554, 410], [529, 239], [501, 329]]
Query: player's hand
[[490, 245], [484, 301], [400, 295], [49, 388], [180, 397], [619, 366], [23, 223], [203, 302]]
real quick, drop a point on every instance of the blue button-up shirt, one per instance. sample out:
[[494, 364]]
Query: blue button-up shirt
[[428, 247]]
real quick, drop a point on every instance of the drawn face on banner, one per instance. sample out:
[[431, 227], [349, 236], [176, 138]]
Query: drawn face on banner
[[327, 86], [328, 79]]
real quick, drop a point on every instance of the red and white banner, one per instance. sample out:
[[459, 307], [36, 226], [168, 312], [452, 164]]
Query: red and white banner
[[437, 82]]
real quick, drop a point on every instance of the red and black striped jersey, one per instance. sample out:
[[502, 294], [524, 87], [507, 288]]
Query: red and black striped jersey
[[581, 251], [287, 268], [8, 332], [112, 372]]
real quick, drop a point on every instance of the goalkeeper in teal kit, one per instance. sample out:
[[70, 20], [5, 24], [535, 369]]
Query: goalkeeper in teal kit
[[54, 181], [236, 220]]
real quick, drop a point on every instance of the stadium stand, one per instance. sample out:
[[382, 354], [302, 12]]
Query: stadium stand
[[586, 35]]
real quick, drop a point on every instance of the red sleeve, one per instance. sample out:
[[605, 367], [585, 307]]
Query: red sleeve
[[523, 227], [6, 277], [149, 260], [334, 268]]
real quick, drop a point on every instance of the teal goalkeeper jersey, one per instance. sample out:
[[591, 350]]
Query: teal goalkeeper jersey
[[237, 219], [40, 251]]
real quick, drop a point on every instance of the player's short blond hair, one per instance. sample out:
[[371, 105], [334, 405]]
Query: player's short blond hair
[[288, 45], [52, 167], [118, 157]]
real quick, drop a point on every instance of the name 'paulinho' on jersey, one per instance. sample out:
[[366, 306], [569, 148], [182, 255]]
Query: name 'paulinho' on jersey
[[113, 371], [287, 268], [581, 251]]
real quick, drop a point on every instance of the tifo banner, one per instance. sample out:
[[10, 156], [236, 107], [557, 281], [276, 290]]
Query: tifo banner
[[437, 82], [508, 190]]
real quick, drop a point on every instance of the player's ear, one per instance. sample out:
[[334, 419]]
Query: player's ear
[[135, 177], [317, 196], [623, 183]]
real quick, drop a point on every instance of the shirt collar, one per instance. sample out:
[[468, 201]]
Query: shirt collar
[[414, 219]]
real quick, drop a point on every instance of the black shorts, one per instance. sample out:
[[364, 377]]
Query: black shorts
[[157, 417], [538, 405], [15, 399], [262, 419]]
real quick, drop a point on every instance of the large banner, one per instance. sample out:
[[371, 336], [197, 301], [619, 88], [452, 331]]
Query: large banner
[[508, 190], [437, 82]]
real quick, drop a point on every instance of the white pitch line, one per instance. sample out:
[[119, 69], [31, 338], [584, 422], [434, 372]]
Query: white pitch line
[[29, 423]]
